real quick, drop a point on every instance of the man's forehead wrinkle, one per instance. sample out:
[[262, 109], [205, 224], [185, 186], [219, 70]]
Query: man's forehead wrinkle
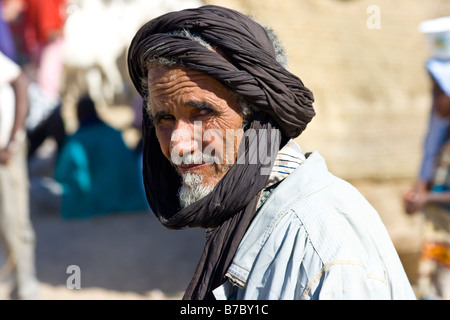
[[164, 83], [170, 79], [163, 87]]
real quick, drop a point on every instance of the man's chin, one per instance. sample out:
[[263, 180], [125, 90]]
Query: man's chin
[[189, 195], [196, 187]]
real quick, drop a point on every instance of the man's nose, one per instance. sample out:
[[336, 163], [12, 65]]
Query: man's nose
[[186, 138]]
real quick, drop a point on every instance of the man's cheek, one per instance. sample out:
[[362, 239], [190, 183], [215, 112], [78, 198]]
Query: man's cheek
[[213, 146], [164, 144]]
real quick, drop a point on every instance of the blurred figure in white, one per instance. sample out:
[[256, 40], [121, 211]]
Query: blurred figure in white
[[15, 226], [43, 23], [97, 34]]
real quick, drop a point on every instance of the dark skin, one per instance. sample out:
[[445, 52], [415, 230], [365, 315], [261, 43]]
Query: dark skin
[[441, 101], [420, 195]]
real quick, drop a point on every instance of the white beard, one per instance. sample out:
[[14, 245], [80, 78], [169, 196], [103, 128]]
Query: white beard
[[193, 189]]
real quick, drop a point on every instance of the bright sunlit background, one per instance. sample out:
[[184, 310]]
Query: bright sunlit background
[[363, 60]]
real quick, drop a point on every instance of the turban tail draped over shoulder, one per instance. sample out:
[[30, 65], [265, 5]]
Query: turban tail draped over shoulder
[[284, 108]]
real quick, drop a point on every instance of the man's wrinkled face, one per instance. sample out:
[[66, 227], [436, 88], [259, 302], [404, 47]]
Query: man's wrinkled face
[[198, 124]]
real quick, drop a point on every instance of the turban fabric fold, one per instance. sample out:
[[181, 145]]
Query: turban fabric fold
[[243, 60]]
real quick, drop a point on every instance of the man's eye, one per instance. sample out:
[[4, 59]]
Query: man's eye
[[212, 112], [167, 117], [161, 118], [205, 112]]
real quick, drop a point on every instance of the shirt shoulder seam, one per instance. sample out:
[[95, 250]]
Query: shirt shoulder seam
[[336, 262], [322, 271]]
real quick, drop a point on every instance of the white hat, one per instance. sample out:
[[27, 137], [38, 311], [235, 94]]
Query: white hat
[[437, 32]]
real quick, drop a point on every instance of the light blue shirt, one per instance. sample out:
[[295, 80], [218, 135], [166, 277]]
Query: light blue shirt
[[438, 126], [315, 237], [434, 140]]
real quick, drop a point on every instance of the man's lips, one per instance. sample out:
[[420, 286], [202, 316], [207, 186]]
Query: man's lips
[[184, 168]]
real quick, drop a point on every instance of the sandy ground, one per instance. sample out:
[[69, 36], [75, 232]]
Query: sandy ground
[[127, 256], [120, 256]]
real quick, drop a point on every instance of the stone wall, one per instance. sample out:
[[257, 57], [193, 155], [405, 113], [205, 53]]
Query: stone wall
[[370, 85]]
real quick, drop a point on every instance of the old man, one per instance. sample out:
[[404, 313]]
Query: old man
[[220, 113]]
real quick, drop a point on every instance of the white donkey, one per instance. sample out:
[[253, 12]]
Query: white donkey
[[97, 35]]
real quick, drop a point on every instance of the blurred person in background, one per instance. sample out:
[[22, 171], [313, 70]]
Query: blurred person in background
[[38, 27], [431, 193], [9, 10], [44, 23], [15, 226], [278, 224], [99, 174]]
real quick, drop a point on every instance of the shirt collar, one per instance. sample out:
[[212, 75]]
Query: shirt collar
[[287, 160]]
